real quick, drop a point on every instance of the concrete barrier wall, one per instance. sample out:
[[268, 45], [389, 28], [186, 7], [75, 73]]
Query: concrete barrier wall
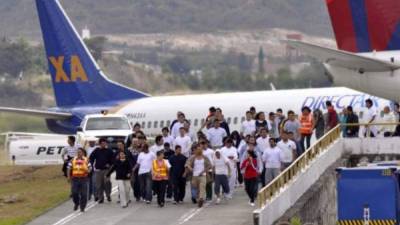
[[292, 193], [299, 186]]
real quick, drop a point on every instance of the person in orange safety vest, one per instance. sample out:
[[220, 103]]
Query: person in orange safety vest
[[160, 170], [306, 127], [78, 172]]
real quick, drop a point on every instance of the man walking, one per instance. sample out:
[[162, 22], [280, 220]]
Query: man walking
[[78, 172], [198, 165], [272, 161], [178, 161], [144, 163], [102, 158]]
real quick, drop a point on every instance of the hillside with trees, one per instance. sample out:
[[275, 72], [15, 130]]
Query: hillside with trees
[[18, 17]]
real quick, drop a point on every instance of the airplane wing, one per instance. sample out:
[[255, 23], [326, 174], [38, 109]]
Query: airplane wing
[[343, 59], [37, 113]]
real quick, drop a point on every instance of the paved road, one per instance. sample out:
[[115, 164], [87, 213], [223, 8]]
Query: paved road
[[235, 212]]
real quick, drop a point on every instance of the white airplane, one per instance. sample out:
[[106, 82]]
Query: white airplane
[[368, 38], [81, 89]]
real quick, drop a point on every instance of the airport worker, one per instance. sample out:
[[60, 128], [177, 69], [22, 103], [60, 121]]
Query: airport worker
[[160, 171], [102, 159], [69, 152], [78, 174], [306, 127], [198, 165], [231, 153], [250, 170], [222, 172], [178, 161], [123, 169]]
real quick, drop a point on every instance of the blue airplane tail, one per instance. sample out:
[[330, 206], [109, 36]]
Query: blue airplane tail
[[77, 79]]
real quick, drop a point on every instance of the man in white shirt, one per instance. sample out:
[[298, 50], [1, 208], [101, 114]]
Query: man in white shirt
[[167, 138], [388, 117], [177, 125], [158, 145], [263, 140], [222, 171], [190, 132], [184, 141], [371, 115], [231, 153], [216, 135], [69, 152], [248, 126], [272, 161], [288, 150], [273, 125], [145, 163]]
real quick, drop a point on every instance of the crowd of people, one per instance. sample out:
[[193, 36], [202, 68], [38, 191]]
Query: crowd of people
[[215, 161]]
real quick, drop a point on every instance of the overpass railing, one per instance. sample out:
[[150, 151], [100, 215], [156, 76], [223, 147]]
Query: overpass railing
[[273, 188]]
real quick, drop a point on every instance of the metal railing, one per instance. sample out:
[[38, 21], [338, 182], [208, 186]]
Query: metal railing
[[273, 188]]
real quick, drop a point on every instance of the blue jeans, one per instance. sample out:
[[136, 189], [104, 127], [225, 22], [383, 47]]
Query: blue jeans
[[146, 186], [221, 181]]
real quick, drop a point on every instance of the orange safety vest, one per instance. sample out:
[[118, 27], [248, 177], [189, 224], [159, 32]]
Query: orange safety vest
[[160, 170], [80, 167], [306, 123]]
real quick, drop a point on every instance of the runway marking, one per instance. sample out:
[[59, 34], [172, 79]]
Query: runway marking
[[73, 215], [189, 215]]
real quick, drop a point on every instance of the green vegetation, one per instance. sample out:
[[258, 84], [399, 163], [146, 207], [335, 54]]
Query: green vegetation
[[153, 16], [16, 123], [19, 204], [20, 64]]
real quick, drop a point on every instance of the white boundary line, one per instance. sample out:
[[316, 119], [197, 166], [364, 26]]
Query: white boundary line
[[73, 215]]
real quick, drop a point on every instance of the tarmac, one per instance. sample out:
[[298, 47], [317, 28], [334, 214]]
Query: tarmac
[[236, 211]]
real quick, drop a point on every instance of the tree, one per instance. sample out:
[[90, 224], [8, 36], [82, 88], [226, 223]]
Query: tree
[[261, 57], [96, 46]]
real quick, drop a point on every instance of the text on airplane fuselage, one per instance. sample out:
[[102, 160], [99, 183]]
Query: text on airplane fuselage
[[340, 101], [78, 73], [52, 150]]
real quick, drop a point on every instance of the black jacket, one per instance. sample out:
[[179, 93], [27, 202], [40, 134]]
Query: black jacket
[[123, 170], [352, 131], [102, 159], [177, 165]]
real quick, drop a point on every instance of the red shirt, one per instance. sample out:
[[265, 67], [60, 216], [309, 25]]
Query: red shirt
[[250, 170], [332, 117]]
